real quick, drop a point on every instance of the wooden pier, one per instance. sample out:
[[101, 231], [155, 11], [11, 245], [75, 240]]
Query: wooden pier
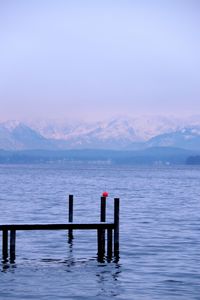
[[9, 232]]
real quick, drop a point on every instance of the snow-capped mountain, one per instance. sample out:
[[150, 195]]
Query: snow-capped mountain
[[113, 134], [18, 136], [122, 133], [133, 129], [116, 133], [186, 138]]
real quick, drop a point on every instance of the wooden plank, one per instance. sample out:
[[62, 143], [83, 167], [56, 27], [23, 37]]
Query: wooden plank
[[74, 226]]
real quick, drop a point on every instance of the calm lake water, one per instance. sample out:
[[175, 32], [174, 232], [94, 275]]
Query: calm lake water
[[159, 232]]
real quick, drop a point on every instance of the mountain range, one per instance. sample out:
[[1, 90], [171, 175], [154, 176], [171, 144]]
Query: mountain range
[[115, 134]]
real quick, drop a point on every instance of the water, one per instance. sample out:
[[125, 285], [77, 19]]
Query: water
[[160, 232]]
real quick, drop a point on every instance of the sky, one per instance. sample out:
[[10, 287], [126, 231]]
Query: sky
[[95, 59]]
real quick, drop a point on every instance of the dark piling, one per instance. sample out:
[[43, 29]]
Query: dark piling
[[5, 245], [70, 216], [12, 245], [116, 227]]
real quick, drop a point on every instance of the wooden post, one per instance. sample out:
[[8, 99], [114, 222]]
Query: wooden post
[[103, 219], [101, 244], [103, 209], [12, 245], [116, 230], [109, 244], [70, 216], [5, 245]]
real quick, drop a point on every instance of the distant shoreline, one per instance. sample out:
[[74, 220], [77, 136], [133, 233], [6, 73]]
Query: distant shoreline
[[154, 155]]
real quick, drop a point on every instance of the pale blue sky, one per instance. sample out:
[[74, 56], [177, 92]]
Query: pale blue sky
[[95, 59]]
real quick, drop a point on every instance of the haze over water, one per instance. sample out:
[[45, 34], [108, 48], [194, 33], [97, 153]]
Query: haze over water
[[92, 60], [159, 232]]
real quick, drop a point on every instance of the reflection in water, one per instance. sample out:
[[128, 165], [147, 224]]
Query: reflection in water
[[6, 266], [95, 279], [70, 262], [108, 287]]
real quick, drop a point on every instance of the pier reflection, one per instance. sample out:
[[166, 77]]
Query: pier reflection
[[108, 280]]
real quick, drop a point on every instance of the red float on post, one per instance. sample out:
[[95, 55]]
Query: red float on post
[[105, 194]]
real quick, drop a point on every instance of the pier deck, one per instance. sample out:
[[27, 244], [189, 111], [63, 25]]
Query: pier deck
[[102, 227], [66, 226]]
